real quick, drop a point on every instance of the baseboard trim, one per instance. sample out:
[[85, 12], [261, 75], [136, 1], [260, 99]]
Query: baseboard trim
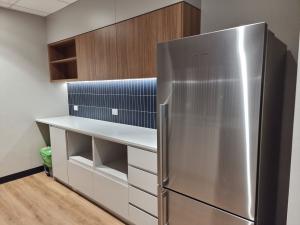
[[20, 175]]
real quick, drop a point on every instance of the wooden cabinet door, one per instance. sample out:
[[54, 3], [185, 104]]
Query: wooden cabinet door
[[85, 51], [191, 19], [106, 53], [128, 50], [59, 154], [136, 42], [170, 23]]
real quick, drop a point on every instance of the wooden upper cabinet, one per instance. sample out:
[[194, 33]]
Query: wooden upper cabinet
[[97, 54], [127, 49], [170, 23], [137, 38], [105, 53], [85, 50], [62, 60], [136, 41], [191, 20]]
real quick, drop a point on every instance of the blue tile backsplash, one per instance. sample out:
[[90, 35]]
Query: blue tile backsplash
[[134, 99]]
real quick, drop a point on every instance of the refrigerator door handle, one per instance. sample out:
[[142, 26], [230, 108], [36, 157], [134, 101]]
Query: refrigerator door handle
[[163, 123], [163, 208]]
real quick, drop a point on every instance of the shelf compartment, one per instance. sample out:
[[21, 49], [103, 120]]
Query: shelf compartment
[[62, 60], [111, 159], [63, 71], [115, 170], [80, 148], [82, 160], [71, 59], [62, 50]]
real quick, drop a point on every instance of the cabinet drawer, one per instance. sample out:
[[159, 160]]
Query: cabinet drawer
[[111, 194], [80, 178], [143, 200], [143, 180], [59, 154], [142, 159], [138, 217]]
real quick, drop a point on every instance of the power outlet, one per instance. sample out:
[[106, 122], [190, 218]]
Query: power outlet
[[114, 112], [76, 108]]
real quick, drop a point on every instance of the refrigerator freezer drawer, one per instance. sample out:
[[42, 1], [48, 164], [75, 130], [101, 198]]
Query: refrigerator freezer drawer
[[143, 180], [143, 200], [142, 159], [183, 210], [138, 217]]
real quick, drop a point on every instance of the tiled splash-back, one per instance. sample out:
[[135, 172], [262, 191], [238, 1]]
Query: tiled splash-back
[[134, 99]]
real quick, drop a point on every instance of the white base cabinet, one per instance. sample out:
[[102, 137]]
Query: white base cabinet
[[138, 217], [142, 159], [143, 200], [143, 185], [143, 180], [122, 179], [111, 194], [59, 154], [81, 178]]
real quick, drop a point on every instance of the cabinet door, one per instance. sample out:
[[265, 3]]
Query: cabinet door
[[59, 154], [177, 21], [170, 23], [191, 17], [85, 51], [111, 194], [106, 53], [136, 41], [128, 63], [81, 178]]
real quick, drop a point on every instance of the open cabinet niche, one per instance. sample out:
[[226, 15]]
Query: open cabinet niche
[[111, 159], [80, 148]]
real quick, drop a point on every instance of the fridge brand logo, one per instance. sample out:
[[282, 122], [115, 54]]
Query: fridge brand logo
[[244, 76]]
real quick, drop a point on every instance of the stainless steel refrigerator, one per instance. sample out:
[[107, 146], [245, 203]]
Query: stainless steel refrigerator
[[220, 100]]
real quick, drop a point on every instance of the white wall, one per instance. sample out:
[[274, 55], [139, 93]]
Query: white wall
[[283, 17], [25, 90], [80, 17], [88, 15], [294, 196]]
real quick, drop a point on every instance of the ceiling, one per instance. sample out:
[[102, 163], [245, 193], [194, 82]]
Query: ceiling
[[37, 7]]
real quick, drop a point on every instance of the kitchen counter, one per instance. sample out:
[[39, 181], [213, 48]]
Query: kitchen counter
[[134, 136]]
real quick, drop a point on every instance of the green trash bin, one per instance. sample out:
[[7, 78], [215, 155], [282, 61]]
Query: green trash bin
[[46, 154]]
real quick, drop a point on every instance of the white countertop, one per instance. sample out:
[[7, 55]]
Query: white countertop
[[139, 137]]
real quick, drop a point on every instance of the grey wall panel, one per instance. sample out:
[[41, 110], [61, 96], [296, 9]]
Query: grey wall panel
[[283, 17], [25, 90]]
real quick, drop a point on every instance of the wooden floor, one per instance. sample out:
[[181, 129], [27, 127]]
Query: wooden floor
[[38, 200]]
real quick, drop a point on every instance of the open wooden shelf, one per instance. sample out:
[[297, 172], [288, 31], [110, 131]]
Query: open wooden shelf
[[64, 80], [63, 60], [71, 59]]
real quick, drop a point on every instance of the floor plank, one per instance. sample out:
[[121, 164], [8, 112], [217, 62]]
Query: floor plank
[[39, 200]]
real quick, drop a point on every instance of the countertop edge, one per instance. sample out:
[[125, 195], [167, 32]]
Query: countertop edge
[[105, 137]]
